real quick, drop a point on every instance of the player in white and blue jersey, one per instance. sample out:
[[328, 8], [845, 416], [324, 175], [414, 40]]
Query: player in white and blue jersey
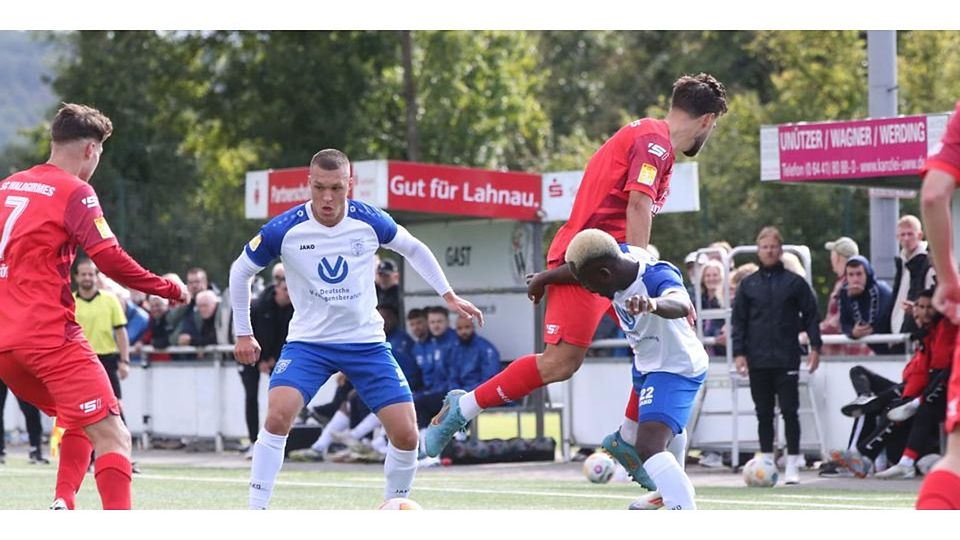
[[328, 247], [669, 364]]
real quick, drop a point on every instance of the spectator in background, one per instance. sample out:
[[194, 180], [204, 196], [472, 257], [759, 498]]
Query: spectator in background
[[725, 247], [185, 319], [841, 250], [772, 307], [388, 283], [914, 273], [213, 329], [792, 263], [34, 429], [711, 297], [690, 263], [737, 276], [104, 325], [138, 320], [401, 345], [160, 330], [270, 315], [432, 357], [865, 303], [472, 359]]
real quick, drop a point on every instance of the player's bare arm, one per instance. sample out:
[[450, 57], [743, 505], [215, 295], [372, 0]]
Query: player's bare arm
[[537, 283], [668, 306], [639, 219], [938, 188]]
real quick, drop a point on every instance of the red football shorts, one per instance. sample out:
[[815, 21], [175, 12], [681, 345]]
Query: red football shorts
[[572, 315], [68, 382], [953, 393]]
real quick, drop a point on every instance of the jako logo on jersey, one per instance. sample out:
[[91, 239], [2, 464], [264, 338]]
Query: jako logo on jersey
[[335, 273], [90, 406], [90, 202], [307, 246], [627, 319], [281, 366]]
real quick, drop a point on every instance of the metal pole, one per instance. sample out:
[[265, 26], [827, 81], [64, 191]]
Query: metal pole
[[882, 103], [538, 324]]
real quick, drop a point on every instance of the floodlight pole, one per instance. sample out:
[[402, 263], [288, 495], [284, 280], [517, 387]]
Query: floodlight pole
[[882, 103]]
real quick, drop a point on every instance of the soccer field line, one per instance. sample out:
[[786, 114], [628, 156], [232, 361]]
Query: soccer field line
[[531, 493]]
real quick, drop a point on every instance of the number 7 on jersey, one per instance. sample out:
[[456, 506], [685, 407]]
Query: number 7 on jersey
[[19, 204]]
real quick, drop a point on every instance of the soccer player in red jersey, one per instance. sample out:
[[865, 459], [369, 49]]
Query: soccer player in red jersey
[[624, 185], [46, 212], [941, 173]]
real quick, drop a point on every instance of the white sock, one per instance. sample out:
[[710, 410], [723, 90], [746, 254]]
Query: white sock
[[468, 406], [628, 431], [678, 447], [367, 425], [399, 467], [267, 460], [793, 460], [906, 462], [672, 483], [339, 422]]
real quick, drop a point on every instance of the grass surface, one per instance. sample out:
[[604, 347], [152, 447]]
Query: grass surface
[[220, 482]]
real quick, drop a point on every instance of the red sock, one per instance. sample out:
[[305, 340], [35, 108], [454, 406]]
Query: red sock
[[910, 453], [519, 379], [113, 473], [633, 406], [940, 491], [75, 449]]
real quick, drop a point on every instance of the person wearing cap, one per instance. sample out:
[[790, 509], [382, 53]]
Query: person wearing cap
[[388, 284], [840, 250], [914, 273]]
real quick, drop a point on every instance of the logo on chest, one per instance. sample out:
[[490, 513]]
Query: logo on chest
[[333, 272]]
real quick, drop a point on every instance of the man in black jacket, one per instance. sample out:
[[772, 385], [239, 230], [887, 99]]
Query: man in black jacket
[[914, 274], [270, 314], [771, 308]]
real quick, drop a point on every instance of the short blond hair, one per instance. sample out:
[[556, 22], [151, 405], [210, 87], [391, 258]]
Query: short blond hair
[[741, 272], [589, 245], [910, 221]]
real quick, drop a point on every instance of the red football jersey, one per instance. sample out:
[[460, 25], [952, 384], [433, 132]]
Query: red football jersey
[[639, 157], [946, 156], [45, 213]]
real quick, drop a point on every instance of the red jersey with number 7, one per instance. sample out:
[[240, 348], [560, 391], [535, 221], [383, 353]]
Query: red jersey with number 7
[[639, 157], [45, 213]]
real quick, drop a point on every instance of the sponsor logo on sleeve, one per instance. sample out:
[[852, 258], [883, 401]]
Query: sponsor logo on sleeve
[[648, 174], [91, 201], [255, 242], [103, 227], [657, 150]]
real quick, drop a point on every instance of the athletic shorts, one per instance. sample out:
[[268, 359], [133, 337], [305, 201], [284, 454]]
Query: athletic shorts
[[573, 314], [370, 367], [952, 420], [68, 382], [666, 397]]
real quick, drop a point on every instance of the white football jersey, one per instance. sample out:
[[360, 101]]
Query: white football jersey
[[329, 270], [659, 344]]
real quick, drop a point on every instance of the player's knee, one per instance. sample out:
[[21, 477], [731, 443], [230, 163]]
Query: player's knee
[[559, 367], [277, 423], [407, 439], [650, 442]]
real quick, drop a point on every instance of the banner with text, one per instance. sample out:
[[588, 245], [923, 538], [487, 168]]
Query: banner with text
[[462, 191], [848, 150]]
